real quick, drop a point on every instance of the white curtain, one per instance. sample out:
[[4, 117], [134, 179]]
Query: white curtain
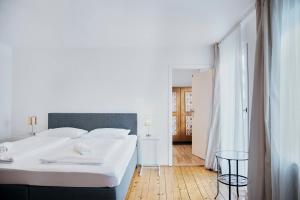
[[275, 123], [231, 108], [214, 130], [232, 134], [285, 99]]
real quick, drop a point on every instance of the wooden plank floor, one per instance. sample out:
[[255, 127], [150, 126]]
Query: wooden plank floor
[[177, 183], [182, 156]]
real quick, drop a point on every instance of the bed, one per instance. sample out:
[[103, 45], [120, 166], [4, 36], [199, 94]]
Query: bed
[[86, 190]]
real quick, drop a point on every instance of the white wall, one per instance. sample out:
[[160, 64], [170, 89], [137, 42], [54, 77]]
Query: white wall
[[183, 77], [97, 80], [105, 56], [79, 56], [5, 90]]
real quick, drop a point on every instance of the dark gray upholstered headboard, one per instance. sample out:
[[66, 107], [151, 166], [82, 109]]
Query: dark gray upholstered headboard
[[91, 121]]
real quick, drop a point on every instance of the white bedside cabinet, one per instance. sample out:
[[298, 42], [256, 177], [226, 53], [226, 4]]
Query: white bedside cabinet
[[149, 155]]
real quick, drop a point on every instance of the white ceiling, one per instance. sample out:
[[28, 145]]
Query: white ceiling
[[96, 23]]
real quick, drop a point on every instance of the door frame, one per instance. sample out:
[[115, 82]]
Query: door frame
[[170, 84]]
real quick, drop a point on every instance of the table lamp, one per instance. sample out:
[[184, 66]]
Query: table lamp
[[33, 123], [148, 124]]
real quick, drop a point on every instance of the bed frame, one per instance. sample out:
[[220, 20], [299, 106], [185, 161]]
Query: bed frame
[[87, 121]]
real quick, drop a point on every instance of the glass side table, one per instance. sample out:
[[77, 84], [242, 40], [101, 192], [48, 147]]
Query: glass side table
[[228, 170]]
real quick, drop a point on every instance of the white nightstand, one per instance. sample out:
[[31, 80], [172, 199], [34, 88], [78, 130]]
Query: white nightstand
[[149, 145]]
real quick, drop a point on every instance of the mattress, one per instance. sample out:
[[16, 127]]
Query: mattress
[[30, 171]]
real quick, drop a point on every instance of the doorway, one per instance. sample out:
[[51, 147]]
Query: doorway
[[187, 115], [182, 114]]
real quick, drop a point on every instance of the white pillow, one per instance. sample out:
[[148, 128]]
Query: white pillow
[[63, 132], [113, 133]]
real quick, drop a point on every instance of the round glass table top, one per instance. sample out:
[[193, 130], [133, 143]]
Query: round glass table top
[[232, 155]]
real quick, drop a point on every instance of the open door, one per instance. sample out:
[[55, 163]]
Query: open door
[[202, 84]]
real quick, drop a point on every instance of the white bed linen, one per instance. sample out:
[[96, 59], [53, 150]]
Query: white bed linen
[[32, 172], [32, 146], [100, 150]]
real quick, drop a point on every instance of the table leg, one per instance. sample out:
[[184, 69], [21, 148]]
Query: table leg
[[229, 188], [237, 178], [217, 177], [217, 189], [157, 157]]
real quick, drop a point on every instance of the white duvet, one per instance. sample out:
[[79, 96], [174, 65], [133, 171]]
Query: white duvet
[[29, 147], [114, 153], [100, 150]]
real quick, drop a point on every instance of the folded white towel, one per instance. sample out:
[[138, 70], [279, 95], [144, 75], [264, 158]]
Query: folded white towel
[[82, 149], [6, 159], [5, 147]]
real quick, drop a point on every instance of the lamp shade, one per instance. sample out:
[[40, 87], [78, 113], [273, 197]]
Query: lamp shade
[[33, 120], [148, 122]]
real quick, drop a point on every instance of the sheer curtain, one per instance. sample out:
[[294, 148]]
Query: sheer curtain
[[232, 135], [231, 109], [285, 99], [214, 130], [275, 123], [228, 130]]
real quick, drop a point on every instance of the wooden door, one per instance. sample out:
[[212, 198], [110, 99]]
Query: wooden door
[[186, 114], [176, 113], [182, 114]]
